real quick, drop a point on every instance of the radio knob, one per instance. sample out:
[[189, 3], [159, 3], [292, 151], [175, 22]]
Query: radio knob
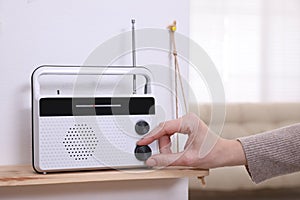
[[142, 127], [142, 153]]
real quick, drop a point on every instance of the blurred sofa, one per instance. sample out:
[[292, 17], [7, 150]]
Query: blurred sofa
[[243, 119]]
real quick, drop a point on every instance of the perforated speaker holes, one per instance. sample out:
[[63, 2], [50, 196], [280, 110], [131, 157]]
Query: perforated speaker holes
[[80, 142]]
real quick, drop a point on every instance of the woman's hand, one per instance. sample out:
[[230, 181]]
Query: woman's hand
[[203, 148]]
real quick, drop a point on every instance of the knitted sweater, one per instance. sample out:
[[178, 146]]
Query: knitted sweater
[[272, 153]]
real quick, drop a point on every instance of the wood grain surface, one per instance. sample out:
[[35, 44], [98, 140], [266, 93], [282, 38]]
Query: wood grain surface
[[23, 175]]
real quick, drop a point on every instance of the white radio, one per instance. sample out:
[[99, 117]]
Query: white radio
[[79, 132]]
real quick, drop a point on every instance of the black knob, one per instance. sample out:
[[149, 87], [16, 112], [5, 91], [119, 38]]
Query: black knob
[[142, 153], [142, 127]]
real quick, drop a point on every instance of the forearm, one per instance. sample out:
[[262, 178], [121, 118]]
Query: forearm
[[226, 153], [235, 153]]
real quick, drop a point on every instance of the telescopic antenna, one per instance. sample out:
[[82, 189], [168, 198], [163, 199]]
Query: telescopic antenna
[[133, 54]]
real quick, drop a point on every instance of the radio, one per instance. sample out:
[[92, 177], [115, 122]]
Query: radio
[[83, 132]]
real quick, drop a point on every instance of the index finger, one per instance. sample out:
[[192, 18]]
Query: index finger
[[164, 128]]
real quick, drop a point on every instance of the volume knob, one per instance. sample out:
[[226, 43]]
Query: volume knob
[[142, 127], [142, 153]]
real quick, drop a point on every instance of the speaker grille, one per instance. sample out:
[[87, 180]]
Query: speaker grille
[[80, 142]]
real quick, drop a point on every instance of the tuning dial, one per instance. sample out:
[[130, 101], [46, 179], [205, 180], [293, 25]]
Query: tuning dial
[[142, 127], [142, 153]]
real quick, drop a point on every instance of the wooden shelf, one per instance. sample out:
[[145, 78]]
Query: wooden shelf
[[24, 175]]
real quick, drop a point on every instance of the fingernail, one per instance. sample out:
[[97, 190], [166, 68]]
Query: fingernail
[[151, 162], [137, 143]]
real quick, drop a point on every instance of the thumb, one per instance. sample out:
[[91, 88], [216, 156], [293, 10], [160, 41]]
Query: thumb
[[166, 159]]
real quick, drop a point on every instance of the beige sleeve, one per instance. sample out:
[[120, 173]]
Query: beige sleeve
[[272, 153]]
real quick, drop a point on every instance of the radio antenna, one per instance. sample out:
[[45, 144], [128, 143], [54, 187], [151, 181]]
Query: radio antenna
[[133, 53]]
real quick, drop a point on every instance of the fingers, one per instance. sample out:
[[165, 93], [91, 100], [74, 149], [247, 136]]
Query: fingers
[[189, 124], [185, 124], [165, 128], [170, 159], [165, 144]]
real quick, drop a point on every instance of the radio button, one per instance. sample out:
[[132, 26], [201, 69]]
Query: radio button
[[142, 153], [142, 127]]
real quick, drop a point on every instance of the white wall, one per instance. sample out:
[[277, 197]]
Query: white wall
[[37, 32]]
